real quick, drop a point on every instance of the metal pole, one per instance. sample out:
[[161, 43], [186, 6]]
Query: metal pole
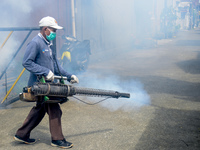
[[6, 39], [73, 19], [19, 29], [13, 85]]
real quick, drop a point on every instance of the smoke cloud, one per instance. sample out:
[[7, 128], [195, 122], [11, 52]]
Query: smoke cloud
[[138, 96], [114, 27], [109, 25]]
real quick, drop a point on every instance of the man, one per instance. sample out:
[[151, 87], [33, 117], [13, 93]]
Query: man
[[40, 61]]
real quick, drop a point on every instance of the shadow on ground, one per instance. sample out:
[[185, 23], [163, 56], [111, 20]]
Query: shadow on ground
[[191, 66], [171, 129], [182, 89]]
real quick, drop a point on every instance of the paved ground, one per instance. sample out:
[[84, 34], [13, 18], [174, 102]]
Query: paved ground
[[166, 82]]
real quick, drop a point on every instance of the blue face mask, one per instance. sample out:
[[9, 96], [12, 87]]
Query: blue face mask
[[51, 36]]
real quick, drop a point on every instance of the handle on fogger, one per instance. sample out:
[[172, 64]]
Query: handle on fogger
[[42, 80], [60, 77]]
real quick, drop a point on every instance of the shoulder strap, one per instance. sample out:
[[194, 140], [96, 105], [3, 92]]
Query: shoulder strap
[[61, 80]]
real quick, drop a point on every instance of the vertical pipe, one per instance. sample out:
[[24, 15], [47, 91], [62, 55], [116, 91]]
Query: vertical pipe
[[81, 6], [73, 19]]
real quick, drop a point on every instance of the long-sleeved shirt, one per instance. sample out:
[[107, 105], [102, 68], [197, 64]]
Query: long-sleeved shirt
[[38, 59]]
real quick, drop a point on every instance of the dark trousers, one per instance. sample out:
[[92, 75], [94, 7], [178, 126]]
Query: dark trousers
[[35, 116]]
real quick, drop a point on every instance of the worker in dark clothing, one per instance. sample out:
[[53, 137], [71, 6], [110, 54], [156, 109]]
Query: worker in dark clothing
[[39, 60]]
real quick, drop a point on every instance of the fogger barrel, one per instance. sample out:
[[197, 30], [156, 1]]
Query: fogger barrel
[[62, 90]]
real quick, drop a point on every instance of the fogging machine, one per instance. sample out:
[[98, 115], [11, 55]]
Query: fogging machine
[[58, 92]]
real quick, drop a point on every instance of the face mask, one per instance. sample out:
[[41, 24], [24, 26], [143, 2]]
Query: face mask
[[51, 36]]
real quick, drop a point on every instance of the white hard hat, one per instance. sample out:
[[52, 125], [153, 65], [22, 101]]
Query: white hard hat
[[49, 22]]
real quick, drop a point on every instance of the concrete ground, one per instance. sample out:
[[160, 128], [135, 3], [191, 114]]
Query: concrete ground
[[170, 75]]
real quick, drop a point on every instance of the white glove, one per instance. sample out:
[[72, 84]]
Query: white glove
[[74, 79], [50, 76]]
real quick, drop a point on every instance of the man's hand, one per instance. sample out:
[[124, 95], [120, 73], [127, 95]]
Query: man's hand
[[50, 76], [74, 79]]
